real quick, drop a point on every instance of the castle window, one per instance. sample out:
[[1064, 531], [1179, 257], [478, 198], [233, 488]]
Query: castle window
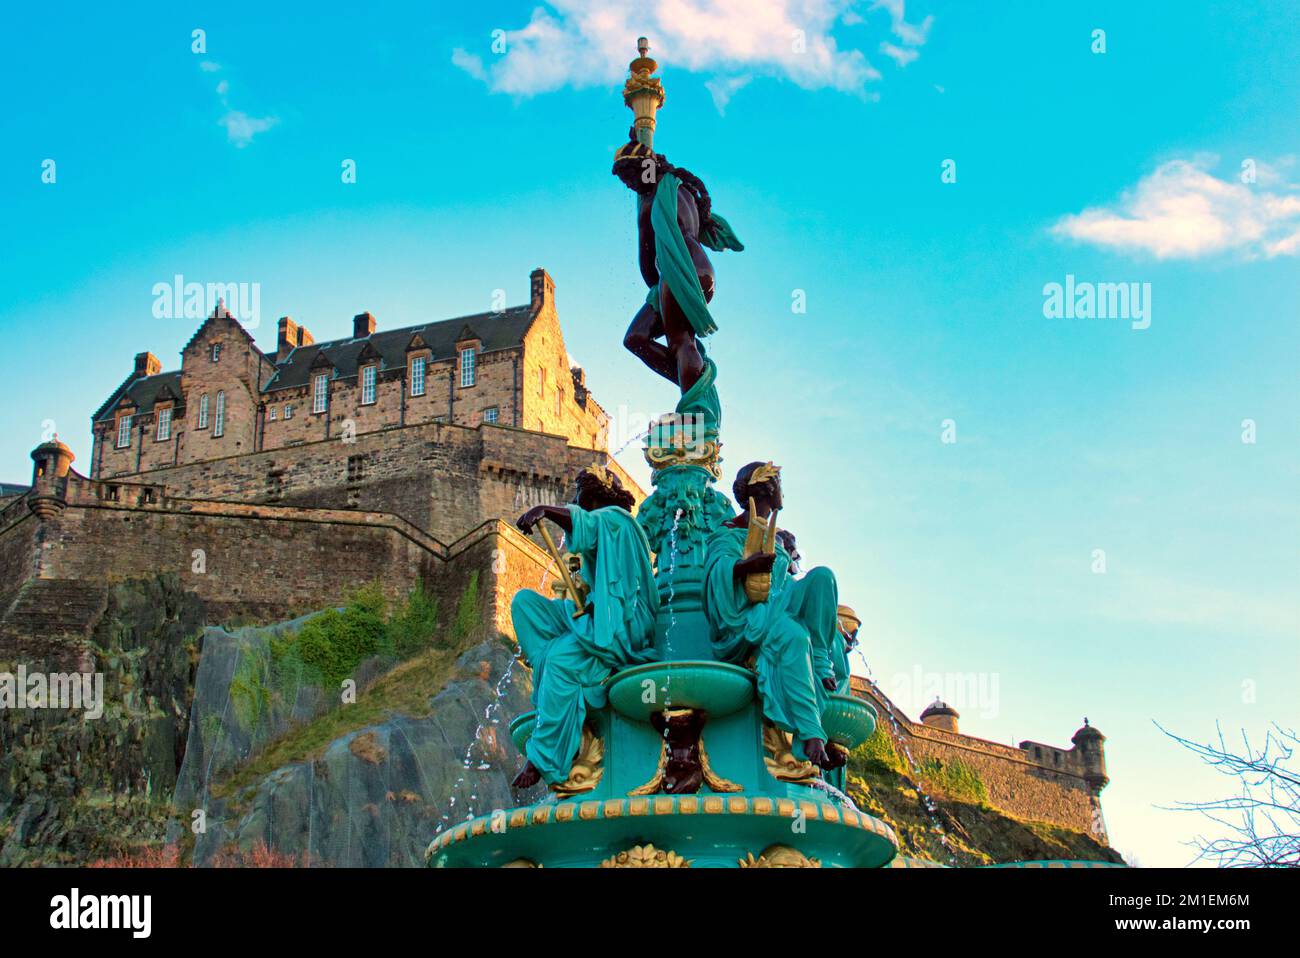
[[491, 414], [216, 352], [356, 468], [417, 375], [123, 431], [319, 392], [271, 413], [219, 420], [559, 401], [288, 410], [164, 423], [368, 375], [203, 412], [466, 367]]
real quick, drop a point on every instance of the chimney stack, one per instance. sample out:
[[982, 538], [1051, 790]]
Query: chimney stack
[[543, 289], [287, 338], [147, 364], [363, 324]]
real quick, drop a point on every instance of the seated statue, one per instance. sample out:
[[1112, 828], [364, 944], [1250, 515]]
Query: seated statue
[[571, 650], [755, 608], [849, 624]]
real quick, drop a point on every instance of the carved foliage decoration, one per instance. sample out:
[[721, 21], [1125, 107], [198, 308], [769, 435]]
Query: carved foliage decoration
[[646, 856], [587, 769], [780, 759]]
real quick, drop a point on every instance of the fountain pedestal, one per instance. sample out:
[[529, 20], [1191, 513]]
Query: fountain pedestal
[[680, 769]]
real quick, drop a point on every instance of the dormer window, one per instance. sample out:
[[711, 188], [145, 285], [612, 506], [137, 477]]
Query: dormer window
[[320, 386], [164, 424], [368, 376], [123, 431], [216, 352], [467, 367]]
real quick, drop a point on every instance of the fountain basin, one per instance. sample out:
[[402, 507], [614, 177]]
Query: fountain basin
[[521, 729], [718, 688], [848, 720], [706, 831]]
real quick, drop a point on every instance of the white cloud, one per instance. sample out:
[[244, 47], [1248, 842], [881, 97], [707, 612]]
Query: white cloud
[[900, 55], [1182, 211], [583, 43], [722, 89], [913, 34], [240, 127], [470, 63]]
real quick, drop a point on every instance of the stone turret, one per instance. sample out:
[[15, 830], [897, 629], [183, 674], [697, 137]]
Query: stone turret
[[1091, 746], [51, 462], [941, 715]]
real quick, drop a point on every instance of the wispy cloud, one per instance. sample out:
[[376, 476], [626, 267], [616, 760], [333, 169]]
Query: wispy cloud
[[900, 55], [240, 127], [1182, 211], [580, 43], [722, 89]]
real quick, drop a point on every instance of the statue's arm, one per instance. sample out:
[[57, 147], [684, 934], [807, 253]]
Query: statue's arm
[[759, 562], [557, 514]]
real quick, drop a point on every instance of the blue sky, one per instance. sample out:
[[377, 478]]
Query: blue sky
[[924, 298]]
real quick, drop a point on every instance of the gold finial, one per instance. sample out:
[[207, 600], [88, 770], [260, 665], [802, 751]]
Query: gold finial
[[643, 93]]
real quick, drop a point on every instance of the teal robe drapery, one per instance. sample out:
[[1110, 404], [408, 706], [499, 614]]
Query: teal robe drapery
[[570, 658], [673, 258], [771, 631], [814, 602]]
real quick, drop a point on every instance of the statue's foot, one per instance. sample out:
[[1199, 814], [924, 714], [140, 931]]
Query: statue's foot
[[528, 776], [838, 756], [815, 749]]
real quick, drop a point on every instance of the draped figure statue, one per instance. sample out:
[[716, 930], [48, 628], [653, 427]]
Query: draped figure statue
[[757, 611], [571, 650]]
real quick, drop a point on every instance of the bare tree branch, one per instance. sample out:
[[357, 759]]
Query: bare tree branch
[[1264, 827]]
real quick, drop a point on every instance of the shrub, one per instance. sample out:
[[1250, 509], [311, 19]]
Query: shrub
[[467, 611], [954, 779], [878, 752]]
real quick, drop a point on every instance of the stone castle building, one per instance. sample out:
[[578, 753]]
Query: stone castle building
[[273, 483]]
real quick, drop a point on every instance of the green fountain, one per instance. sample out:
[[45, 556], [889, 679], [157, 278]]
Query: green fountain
[[692, 706]]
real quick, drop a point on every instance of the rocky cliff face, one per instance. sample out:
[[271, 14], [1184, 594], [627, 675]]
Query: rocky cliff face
[[209, 745], [74, 787], [372, 795]]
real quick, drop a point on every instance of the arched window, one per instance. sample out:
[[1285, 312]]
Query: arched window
[[219, 420], [203, 412]]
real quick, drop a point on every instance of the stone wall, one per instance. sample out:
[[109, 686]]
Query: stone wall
[[446, 479], [1016, 785], [261, 562]]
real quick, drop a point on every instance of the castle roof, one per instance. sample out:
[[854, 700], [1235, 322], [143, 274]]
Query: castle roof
[[940, 708], [143, 392], [501, 330]]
